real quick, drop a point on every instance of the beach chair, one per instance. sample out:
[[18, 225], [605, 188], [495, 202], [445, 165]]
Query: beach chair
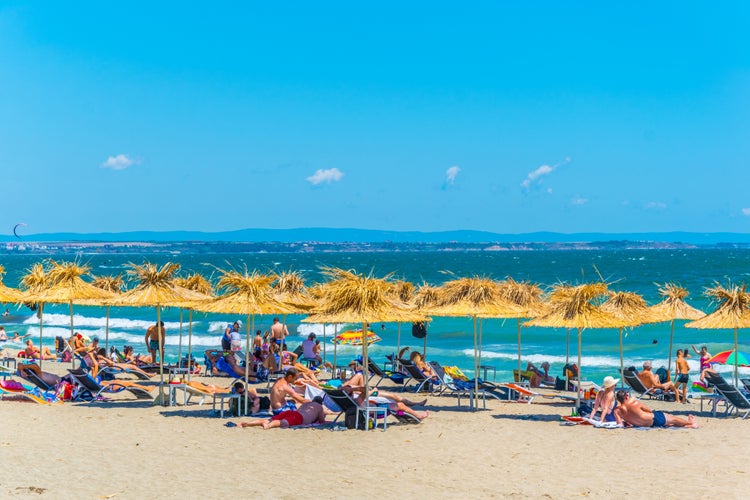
[[91, 389], [457, 384], [423, 381], [45, 383], [12, 389], [731, 396], [631, 379], [746, 385], [395, 377], [350, 409]]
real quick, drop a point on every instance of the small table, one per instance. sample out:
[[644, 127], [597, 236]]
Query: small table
[[486, 368], [372, 413], [173, 396], [224, 396], [471, 399], [174, 370], [7, 361]]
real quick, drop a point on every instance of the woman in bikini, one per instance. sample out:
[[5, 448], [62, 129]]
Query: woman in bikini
[[705, 366]]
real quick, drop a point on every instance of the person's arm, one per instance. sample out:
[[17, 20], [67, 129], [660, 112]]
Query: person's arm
[[694, 349], [618, 416], [289, 391]]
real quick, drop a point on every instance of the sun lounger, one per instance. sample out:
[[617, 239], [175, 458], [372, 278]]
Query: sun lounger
[[395, 377], [372, 412], [432, 385], [730, 396], [46, 383], [631, 379], [16, 390], [92, 389]]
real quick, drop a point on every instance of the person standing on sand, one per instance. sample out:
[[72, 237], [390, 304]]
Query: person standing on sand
[[278, 331], [154, 339], [632, 412], [682, 373]]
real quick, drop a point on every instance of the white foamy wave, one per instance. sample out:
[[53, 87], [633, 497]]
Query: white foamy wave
[[305, 329], [99, 322]]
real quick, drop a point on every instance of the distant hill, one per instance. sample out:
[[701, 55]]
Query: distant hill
[[335, 235]]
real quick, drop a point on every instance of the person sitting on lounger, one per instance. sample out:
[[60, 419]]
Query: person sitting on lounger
[[605, 401], [418, 360], [282, 388], [309, 413], [633, 413], [32, 351], [101, 361], [227, 363], [650, 380], [49, 378], [394, 402], [539, 377]]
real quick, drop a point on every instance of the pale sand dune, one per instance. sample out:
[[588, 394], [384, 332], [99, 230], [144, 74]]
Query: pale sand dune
[[136, 450]]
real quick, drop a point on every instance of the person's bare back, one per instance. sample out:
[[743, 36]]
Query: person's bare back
[[312, 413]]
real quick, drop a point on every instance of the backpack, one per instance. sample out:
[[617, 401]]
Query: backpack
[[350, 419], [419, 330]]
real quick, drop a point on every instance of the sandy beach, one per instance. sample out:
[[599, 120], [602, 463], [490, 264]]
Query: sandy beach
[[128, 449]]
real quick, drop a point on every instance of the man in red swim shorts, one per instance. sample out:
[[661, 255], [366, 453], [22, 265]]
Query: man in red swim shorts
[[308, 413]]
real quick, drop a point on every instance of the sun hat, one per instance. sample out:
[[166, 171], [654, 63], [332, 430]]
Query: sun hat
[[239, 322], [609, 382]]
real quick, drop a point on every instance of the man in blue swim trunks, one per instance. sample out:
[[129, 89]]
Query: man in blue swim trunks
[[632, 412], [152, 339]]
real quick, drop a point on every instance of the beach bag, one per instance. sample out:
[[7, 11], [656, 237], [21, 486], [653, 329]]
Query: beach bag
[[350, 419], [419, 330], [559, 384], [662, 374], [64, 390]]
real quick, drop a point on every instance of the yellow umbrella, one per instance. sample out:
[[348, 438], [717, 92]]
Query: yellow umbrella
[[476, 297], [732, 313], [673, 307], [577, 307], [64, 285], [631, 309], [354, 298], [155, 288], [248, 294]]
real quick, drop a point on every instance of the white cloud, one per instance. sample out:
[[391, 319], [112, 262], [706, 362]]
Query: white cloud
[[119, 162], [656, 205], [579, 201], [535, 176], [328, 176], [746, 211], [451, 173]]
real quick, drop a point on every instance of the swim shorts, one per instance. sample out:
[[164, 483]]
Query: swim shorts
[[659, 419], [683, 378], [153, 345], [292, 417]]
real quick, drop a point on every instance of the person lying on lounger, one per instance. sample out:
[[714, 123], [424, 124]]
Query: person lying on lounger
[[309, 413], [418, 360], [392, 401], [539, 377], [101, 360], [227, 363], [32, 351], [633, 413], [49, 378], [650, 380]]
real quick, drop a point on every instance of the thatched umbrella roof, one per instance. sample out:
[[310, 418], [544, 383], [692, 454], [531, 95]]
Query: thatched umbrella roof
[[474, 297], [290, 289], [577, 307], [64, 285], [35, 279], [155, 287], [195, 282], [631, 308], [732, 312], [8, 294], [112, 284], [247, 294], [673, 305]]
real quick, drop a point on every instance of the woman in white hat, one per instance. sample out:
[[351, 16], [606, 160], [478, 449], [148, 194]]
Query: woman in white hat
[[605, 400]]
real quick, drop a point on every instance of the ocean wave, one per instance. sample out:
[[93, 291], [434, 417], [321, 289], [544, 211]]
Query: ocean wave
[[54, 319]]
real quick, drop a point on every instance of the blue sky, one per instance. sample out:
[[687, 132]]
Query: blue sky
[[501, 116]]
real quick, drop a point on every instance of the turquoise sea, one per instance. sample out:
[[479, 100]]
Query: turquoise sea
[[449, 340]]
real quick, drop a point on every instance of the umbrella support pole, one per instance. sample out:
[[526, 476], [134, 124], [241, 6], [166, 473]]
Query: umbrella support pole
[[669, 358], [366, 373], [250, 326], [621, 361], [475, 396], [190, 344], [41, 328], [106, 331], [578, 395], [160, 399], [519, 348], [324, 344], [179, 345]]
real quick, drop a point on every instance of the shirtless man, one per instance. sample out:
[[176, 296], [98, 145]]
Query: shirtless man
[[632, 412], [278, 331], [308, 413], [683, 373], [283, 388], [650, 380], [257, 341], [152, 340]]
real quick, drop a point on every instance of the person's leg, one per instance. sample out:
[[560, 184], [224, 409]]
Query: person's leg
[[399, 399], [254, 423], [273, 424], [406, 409], [673, 421]]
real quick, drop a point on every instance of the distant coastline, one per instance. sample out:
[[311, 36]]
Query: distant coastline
[[216, 247]]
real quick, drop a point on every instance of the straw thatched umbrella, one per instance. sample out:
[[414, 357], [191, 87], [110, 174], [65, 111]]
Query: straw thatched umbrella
[[672, 307], [354, 298], [289, 289], [631, 309], [196, 283], [113, 285], [36, 280], [527, 297], [64, 285], [732, 312], [156, 288], [577, 307], [8, 294], [475, 297], [248, 294]]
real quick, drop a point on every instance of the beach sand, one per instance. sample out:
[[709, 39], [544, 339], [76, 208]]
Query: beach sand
[[129, 449]]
